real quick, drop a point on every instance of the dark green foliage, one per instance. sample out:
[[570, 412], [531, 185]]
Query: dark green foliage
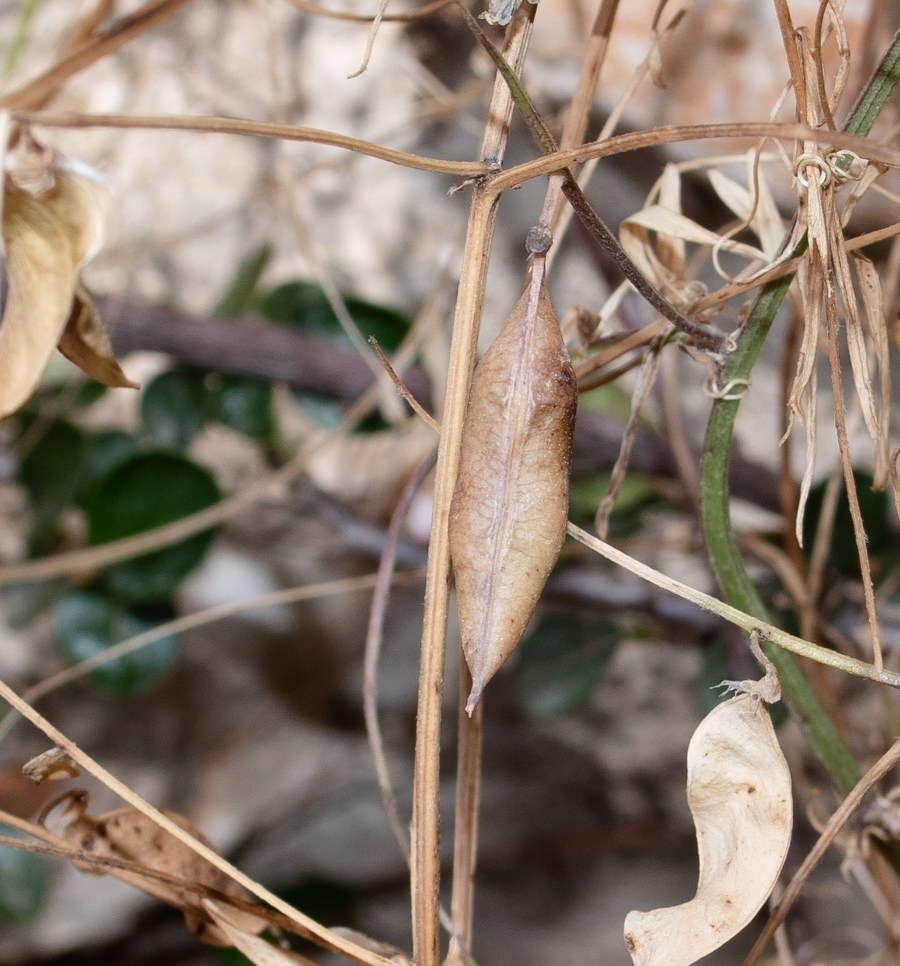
[[562, 662], [173, 408], [147, 491], [52, 470], [842, 555], [305, 307], [23, 882], [87, 623], [241, 403]]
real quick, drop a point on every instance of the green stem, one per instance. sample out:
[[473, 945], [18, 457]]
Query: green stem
[[724, 554]]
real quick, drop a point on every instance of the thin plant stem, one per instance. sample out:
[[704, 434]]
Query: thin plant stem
[[90, 558], [247, 127], [768, 632], [372, 652], [210, 615], [704, 336], [322, 935], [465, 841], [411, 400], [677, 134], [418, 14]]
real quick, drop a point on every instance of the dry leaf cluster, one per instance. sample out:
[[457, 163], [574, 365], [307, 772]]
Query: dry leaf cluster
[[788, 206]]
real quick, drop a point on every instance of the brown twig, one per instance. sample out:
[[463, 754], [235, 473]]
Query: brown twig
[[425, 416], [249, 128], [677, 134], [420, 13]]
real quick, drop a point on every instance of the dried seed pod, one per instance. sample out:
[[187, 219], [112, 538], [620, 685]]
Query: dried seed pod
[[510, 506], [739, 792]]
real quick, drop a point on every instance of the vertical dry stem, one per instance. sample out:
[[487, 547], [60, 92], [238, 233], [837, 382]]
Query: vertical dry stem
[[425, 853]]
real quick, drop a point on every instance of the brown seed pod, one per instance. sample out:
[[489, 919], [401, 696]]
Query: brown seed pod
[[510, 506]]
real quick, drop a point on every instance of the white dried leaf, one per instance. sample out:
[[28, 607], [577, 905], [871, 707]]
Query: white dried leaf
[[673, 225], [873, 304], [739, 792], [671, 248]]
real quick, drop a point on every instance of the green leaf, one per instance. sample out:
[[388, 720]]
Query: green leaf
[[173, 408], [52, 470], [305, 307], [240, 294], [562, 662], [23, 882], [87, 623], [105, 450], [243, 404], [229, 956], [874, 508], [142, 493]]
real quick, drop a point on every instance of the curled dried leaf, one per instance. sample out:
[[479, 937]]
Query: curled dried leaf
[[48, 240], [42, 271], [126, 833], [510, 506], [86, 342], [739, 792]]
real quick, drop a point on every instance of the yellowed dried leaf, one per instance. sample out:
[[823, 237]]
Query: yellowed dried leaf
[[856, 339], [673, 225], [86, 342], [671, 248], [873, 304], [48, 239], [42, 270], [509, 509], [763, 217], [739, 792]]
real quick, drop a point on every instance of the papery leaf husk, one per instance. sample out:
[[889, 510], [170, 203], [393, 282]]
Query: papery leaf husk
[[48, 239], [510, 506], [739, 793], [41, 272]]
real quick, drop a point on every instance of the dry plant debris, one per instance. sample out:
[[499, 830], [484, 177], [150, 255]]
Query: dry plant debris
[[52, 226], [739, 792], [126, 833], [501, 496]]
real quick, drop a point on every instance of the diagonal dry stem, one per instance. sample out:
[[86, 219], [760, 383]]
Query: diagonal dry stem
[[323, 936]]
